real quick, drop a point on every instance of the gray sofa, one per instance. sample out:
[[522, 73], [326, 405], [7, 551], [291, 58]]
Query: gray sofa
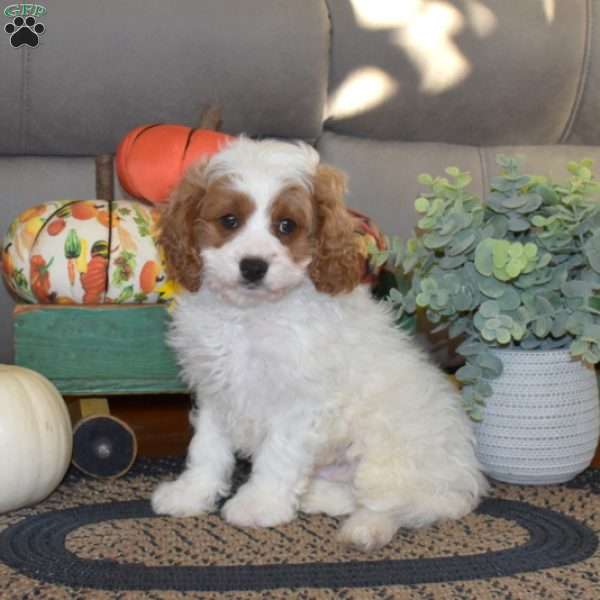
[[386, 90]]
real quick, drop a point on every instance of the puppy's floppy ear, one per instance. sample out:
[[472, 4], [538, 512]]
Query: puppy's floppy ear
[[180, 230], [337, 265]]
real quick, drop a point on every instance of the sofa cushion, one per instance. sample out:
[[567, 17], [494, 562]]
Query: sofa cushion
[[477, 73], [101, 69]]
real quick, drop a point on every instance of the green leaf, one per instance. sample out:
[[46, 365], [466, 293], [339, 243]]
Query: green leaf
[[513, 269], [501, 184], [577, 323], [591, 333], [548, 195], [479, 321], [494, 323], [483, 257], [503, 335], [489, 335], [484, 389], [458, 327], [452, 262], [516, 250], [468, 373], [492, 287], [490, 363], [593, 304], [578, 289], [463, 300], [510, 300], [517, 224], [436, 208], [578, 347], [441, 298], [475, 413], [463, 180], [530, 342], [559, 325], [496, 227], [434, 240], [544, 260], [461, 242], [592, 251], [395, 296], [534, 201], [542, 326], [421, 204], [429, 284], [422, 299], [489, 309], [517, 331], [470, 348], [543, 306], [500, 252], [514, 202], [379, 259]]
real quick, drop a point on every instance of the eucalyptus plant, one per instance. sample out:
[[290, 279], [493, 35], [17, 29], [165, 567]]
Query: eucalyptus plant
[[521, 269]]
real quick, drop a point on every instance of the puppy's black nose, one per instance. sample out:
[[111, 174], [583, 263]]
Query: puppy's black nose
[[253, 269]]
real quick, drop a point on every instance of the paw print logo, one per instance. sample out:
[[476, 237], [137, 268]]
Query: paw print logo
[[24, 31]]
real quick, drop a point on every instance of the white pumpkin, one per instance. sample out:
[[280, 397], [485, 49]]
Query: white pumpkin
[[35, 437]]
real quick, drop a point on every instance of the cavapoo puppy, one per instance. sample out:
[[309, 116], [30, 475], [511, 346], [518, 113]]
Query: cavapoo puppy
[[295, 366]]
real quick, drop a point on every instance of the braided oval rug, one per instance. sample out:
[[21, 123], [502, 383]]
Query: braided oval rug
[[99, 539]]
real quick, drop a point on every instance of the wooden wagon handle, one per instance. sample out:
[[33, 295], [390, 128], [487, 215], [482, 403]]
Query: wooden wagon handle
[[105, 187]]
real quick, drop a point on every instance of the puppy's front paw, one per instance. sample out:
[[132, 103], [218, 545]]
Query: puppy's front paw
[[183, 498], [253, 507]]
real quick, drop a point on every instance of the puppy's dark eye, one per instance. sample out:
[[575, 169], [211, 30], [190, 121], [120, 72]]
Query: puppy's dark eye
[[286, 226], [229, 221]]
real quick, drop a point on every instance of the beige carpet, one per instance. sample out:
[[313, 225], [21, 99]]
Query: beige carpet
[[99, 539]]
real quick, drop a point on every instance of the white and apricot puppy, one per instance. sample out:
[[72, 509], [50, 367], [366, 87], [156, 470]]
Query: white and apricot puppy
[[295, 366]]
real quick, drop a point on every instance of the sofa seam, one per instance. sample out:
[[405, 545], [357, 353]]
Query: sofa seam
[[21, 135], [583, 76], [324, 114], [26, 105], [484, 172]]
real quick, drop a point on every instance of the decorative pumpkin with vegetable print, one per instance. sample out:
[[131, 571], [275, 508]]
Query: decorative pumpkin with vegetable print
[[86, 252], [152, 159]]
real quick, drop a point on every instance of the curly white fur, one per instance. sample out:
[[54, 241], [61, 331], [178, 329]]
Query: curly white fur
[[340, 412]]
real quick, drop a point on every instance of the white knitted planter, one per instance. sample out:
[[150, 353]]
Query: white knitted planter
[[541, 425]]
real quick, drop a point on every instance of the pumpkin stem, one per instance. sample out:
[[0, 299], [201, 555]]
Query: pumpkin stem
[[210, 118]]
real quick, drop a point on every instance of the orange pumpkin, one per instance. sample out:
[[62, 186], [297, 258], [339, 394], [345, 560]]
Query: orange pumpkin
[[151, 159]]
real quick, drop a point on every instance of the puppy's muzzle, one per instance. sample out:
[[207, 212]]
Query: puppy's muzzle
[[253, 270]]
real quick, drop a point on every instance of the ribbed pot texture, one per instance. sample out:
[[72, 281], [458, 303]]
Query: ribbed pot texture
[[542, 423]]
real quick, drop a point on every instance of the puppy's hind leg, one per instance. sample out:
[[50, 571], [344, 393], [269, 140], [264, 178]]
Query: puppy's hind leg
[[378, 497], [333, 498], [395, 488]]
